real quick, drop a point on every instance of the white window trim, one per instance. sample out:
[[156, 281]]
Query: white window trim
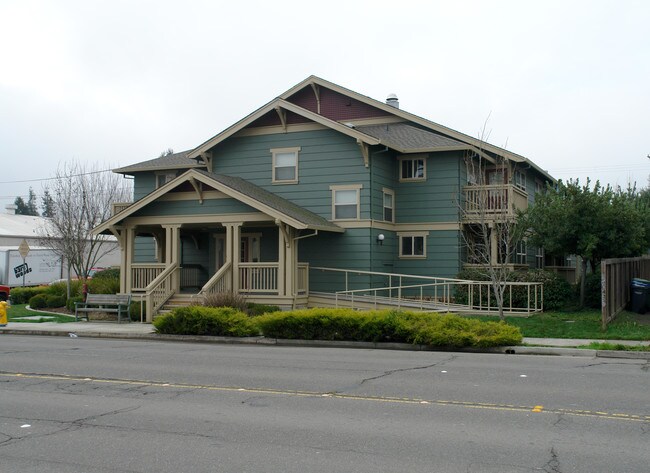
[[521, 253], [402, 235], [390, 192], [422, 157], [169, 176], [275, 151], [346, 187]]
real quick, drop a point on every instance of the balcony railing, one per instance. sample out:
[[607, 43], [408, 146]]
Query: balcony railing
[[119, 206], [493, 200]]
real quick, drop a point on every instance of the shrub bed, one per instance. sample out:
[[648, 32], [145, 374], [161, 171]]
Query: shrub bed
[[387, 326], [199, 320]]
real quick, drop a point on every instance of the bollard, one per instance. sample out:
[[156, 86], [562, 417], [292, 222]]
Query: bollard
[[3, 313]]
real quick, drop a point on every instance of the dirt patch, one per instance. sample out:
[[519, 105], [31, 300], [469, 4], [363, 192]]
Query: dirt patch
[[641, 319]]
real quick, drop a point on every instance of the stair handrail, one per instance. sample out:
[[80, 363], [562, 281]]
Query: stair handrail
[[159, 290], [215, 279]]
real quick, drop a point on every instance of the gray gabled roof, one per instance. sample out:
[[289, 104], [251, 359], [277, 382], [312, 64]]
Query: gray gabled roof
[[171, 161], [281, 205], [260, 199], [406, 138]]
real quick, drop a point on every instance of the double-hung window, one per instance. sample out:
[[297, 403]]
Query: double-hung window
[[285, 165], [345, 202], [412, 245], [520, 180], [412, 169], [389, 205]]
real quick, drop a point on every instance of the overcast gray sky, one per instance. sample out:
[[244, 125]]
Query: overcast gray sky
[[564, 83]]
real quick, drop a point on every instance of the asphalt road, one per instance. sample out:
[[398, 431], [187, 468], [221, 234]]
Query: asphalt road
[[93, 405]]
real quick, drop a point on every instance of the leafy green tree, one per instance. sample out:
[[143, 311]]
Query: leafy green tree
[[26, 208], [591, 222]]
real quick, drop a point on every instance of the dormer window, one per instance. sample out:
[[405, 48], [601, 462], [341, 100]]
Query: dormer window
[[285, 165]]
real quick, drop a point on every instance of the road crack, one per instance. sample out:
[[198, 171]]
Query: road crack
[[401, 370], [553, 465]]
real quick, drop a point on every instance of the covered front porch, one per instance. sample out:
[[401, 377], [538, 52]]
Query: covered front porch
[[258, 260], [204, 233]]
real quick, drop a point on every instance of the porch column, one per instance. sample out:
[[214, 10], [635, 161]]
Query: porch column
[[129, 243], [494, 247], [233, 250], [172, 251], [120, 235], [287, 260]]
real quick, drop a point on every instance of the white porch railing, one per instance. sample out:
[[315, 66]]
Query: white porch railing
[[495, 199], [258, 278], [142, 274], [431, 293], [160, 290]]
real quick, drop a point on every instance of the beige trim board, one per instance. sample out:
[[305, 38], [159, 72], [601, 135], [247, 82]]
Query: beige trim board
[[206, 219], [373, 121], [207, 195], [400, 227], [277, 129]]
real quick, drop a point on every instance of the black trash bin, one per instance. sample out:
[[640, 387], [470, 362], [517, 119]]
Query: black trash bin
[[640, 292]]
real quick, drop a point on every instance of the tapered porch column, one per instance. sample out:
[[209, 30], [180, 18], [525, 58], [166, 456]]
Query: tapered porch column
[[233, 250]]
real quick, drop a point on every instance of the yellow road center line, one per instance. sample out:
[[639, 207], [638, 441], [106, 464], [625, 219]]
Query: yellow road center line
[[352, 397]]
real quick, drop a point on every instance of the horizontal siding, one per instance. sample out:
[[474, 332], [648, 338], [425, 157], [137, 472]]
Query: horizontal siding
[[193, 207], [436, 198], [144, 250], [326, 158]]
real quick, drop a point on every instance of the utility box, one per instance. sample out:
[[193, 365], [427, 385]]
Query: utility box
[[40, 266]]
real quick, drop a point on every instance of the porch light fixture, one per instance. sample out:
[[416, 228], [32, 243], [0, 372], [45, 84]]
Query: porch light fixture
[[380, 239]]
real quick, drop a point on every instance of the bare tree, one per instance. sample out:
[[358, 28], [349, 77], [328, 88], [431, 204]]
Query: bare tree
[[491, 232], [81, 199]]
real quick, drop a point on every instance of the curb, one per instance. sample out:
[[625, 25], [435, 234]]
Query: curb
[[261, 341]]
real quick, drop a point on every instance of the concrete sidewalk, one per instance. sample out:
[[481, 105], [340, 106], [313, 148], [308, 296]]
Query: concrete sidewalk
[[531, 346]]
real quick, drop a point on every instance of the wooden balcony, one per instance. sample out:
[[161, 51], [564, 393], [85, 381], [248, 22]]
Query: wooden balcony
[[493, 202]]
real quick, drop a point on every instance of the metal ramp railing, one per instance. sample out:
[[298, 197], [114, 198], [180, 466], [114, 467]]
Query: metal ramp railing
[[408, 291]]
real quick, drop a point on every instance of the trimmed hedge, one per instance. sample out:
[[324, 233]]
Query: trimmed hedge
[[199, 320], [22, 295], [342, 324], [39, 301], [388, 326]]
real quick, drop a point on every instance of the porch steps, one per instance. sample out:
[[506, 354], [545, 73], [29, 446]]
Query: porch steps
[[177, 300]]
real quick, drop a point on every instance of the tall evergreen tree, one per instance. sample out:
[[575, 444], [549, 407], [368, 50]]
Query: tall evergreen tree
[[29, 207], [47, 204]]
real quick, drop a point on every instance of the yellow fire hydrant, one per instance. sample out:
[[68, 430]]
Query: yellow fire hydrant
[[3, 313]]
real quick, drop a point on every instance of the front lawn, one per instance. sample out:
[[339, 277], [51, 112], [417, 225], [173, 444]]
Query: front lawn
[[18, 313], [583, 324]]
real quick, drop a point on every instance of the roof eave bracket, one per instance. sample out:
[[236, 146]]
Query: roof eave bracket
[[364, 152], [283, 117], [198, 187]]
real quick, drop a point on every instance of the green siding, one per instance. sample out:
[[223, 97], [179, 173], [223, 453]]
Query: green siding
[[193, 207], [326, 158], [144, 250]]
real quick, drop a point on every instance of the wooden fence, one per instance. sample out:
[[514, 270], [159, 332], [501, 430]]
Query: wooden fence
[[616, 278]]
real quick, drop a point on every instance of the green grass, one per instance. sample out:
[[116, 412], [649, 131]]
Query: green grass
[[582, 324], [18, 312], [615, 346]]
